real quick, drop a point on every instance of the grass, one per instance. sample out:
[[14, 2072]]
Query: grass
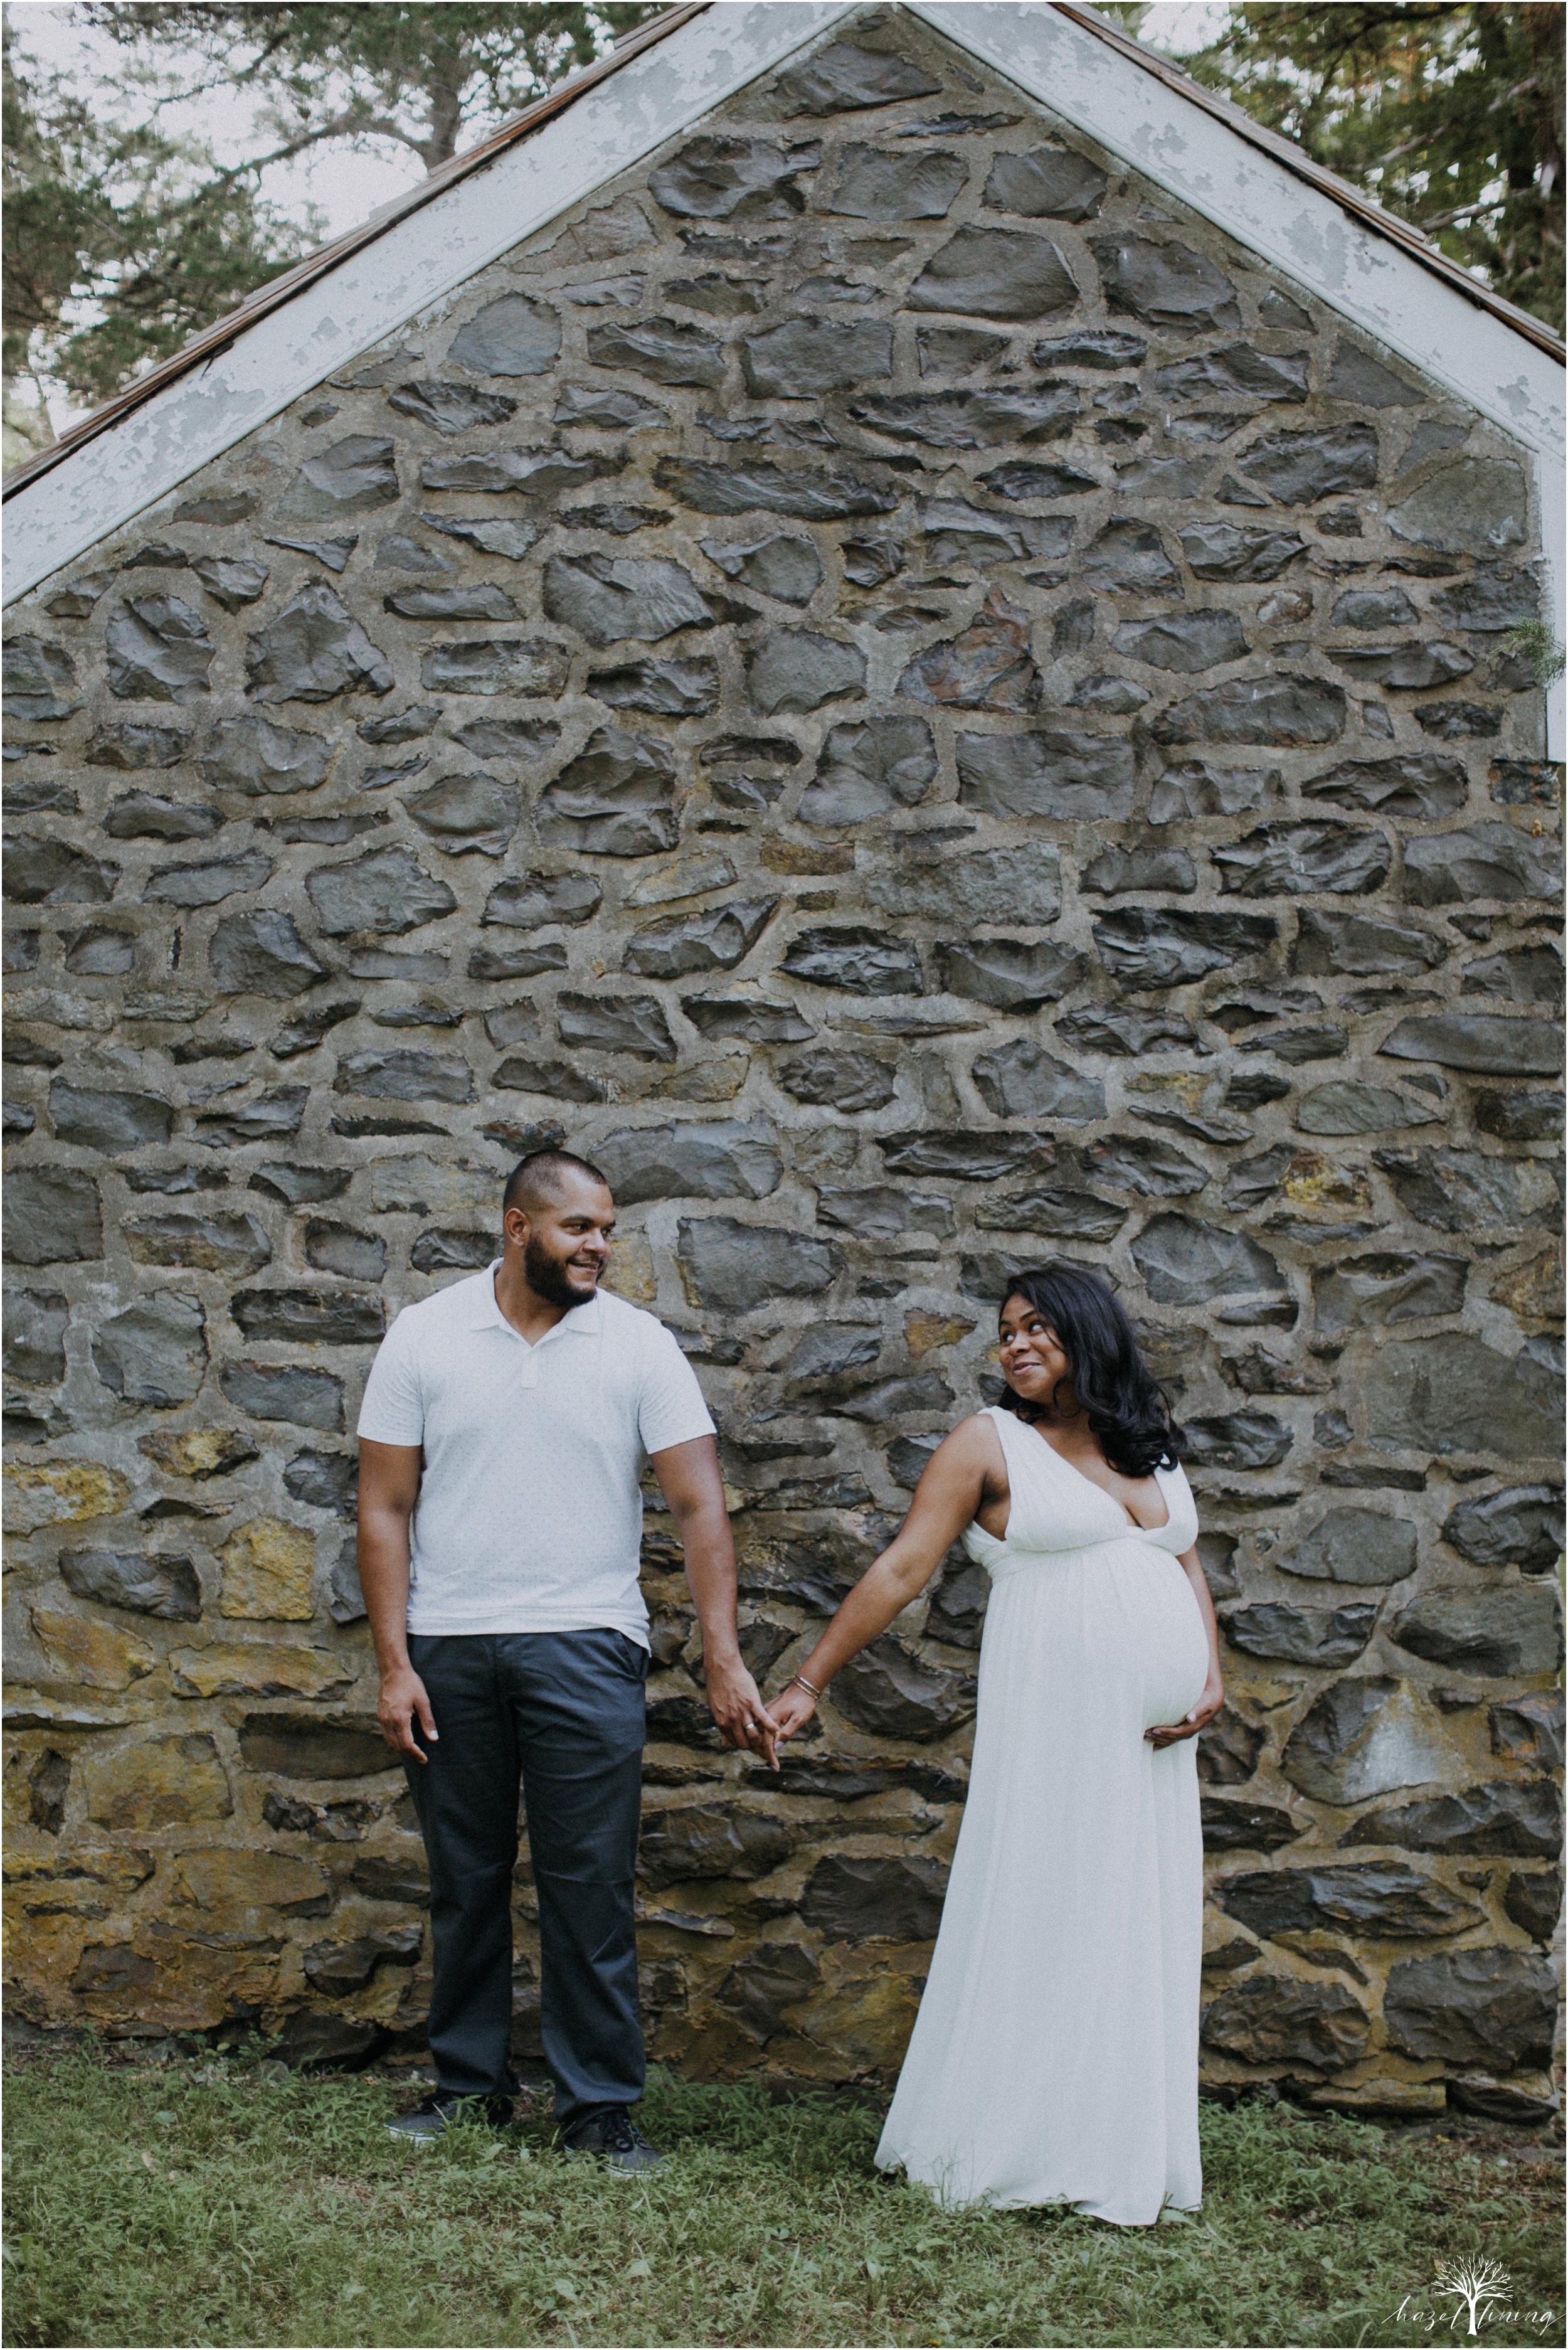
[[212, 2200]]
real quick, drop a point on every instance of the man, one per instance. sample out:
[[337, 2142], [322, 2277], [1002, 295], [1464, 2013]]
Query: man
[[502, 1443]]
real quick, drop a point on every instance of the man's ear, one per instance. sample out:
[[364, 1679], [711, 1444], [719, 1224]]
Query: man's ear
[[515, 1227]]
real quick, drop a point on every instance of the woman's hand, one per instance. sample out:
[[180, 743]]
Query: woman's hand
[[1165, 1733], [791, 1710]]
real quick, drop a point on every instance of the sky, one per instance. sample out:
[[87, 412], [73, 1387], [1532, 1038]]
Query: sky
[[341, 185]]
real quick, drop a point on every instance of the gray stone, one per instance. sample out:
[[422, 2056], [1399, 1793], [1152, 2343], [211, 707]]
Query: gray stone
[[795, 670], [1301, 1635], [710, 1840], [1055, 1210], [312, 1317], [1489, 601], [841, 78], [1293, 859], [304, 1035], [1356, 375], [715, 939], [759, 1992], [508, 337], [143, 815], [617, 1024], [1469, 1192], [666, 349], [397, 552], [1228, 1749], [1529, 1729], [1489, 1045], [1013, 976], [534, 899], [1357, 944], [325, 1746], [38, 676], [610, 597], [992, 273], [452, 1252], [354, 476], [731, 1268], [112, 1122], [1050, 771], [1239, 372], [1534, 975], [1236, 1440], [1517, 1629], [36, 1323], [161, 1584], [481, 600], [991, 1277], [1048, 183], [1520, 1118], [1131, 556], [267, 1118], [1522, 1525], [1348, 1106], [1021, 481], [468, 814], [987, 666], [530, 473], [51, 873], [100, 954], [852, 1899], [324, 1481], [863, 961], [234, 1245], [1479, 506], [1490, 2007], [1534, 1903], [780, 565], [339, 1249], [1493, 862], [807, 357], [1163, 947], [1021, 886], [155, 1351], [1201, 789], [876, 185], [616, 798], [313, 651], [1371, 1292], [126, 745], [401, 1076], [865, 769], [1188, 1264], [1504, 1817], [868, 562], [769, 489], [1353, 1545], [1298, 468], [958, 534], [525, 739], [1183, 640], [1422, 785], [1022, 1080], [966, 1158], [1388, 1899], [450, 409], [1168, 285], [1245, 1827], [829, 1349], [1455, 1394], [724, 1159], [507, 665], [208, 885], [158, 651], [1277, 2020], [1144, 1164], [1458, 721], [261, 954], [304, 1398], [842, 1081], [331, 553], [386, 892], [558, 1081], [500, 536], [253, 757], [888, 1692], [1403, 667], [1375, 608], [1117, 870], [1121, 1030], [1257, 710], [878, 1212], [753, 1021]]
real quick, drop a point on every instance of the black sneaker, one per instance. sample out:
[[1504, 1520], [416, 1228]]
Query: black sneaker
[[615, 2139], [440, 2111]]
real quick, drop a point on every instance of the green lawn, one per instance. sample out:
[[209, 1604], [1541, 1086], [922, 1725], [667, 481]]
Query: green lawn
[[211, 2202]]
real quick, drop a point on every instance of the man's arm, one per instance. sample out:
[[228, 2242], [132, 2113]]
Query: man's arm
[[689, 1479], [389, 1488]]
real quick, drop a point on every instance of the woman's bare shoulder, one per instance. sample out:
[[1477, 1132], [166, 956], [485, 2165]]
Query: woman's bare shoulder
[[974, 1442]]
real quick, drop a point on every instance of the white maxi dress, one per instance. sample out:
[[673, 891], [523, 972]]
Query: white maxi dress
[[1055, 2058]]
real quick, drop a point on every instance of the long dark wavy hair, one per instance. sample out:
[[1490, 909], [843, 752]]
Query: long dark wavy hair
[[1126, 1408]]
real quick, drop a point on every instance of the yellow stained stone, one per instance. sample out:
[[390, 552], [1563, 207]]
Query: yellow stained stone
[[239, 1668], [923, 1331], [96, 1654], [718, 1079], [1533, 1290], [197, 1452], [95, 1865], [159, 1783], [1314, 1181], [221, 1876], [61, 1496], [807, 857], [868, 2022], [268, 1568], [631, 1274]]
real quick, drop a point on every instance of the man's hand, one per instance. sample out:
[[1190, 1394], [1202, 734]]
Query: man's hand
[[401, 1702], [737, 1707]]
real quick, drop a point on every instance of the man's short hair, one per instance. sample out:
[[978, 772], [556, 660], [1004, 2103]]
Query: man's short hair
[[541, 1175]]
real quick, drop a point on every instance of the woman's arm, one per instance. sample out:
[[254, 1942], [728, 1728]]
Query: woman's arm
[[1213, 1696], [950, 1490]]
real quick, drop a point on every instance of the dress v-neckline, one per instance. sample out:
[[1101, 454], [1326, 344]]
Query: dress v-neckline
[[1135, 1525]]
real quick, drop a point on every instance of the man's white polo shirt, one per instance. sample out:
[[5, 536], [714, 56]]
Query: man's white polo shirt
[[530, 1511]]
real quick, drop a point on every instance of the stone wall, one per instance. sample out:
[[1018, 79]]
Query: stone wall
[[923, 709]]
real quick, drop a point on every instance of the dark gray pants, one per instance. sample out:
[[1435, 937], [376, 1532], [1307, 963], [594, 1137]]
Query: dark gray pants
[[562, 1714]]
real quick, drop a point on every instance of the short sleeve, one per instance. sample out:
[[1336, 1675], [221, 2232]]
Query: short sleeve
[[393, 1409], [671, 1410]]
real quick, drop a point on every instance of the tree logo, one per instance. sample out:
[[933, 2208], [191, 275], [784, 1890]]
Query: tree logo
[[1479, 2293], [1480, 2284]]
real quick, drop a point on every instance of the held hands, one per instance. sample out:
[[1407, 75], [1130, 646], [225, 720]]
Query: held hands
[[1165, 1733], [401, 1703], [737, 1707], [791, 1710]]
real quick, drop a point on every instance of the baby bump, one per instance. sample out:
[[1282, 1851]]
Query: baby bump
[[1118, 1625], [1171, 1658]]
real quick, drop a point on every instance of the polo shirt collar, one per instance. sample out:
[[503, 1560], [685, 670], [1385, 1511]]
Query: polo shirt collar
[[582, 1321]]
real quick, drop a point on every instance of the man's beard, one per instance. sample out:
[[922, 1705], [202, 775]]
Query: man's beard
[[546, 1277]]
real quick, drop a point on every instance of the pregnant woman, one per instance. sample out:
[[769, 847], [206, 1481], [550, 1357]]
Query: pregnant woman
[[1055, 2058]]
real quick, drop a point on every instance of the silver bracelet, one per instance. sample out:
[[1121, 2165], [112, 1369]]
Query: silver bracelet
[[810, 1687]]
